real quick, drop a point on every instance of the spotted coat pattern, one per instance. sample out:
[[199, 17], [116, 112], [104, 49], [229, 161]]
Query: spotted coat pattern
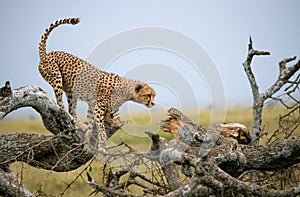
[[104, 92]]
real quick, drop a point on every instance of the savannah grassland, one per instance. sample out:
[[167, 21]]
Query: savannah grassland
[[54, 183]]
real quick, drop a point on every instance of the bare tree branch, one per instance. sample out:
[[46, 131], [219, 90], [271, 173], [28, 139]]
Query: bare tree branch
[[225, 160], [259, 98], [248, 189], [63, 151], [104, 189], [210, 165], [32, 148], [55, 119], [285, 73], [11, 186], [248, 69]]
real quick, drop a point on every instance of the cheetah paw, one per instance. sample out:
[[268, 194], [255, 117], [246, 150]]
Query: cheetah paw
[[117, 123]]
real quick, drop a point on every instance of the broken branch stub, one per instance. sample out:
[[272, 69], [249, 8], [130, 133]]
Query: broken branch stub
[[217, 163]]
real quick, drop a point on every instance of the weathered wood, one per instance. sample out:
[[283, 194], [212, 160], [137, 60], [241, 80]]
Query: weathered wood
[[11, 186], [216, 162], [211, 154], [63, 151], [285, 73], [237, 131]]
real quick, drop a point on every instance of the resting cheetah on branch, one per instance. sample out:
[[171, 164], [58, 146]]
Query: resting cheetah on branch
[[104, 92]]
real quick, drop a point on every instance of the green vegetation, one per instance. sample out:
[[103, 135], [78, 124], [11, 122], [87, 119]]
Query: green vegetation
[[54, 183]]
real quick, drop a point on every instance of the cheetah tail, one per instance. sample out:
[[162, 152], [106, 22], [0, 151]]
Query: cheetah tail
[[42, 47]]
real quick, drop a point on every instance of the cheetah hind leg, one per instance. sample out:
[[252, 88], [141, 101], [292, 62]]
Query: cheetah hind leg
[[72, 105], [54, 78], [90, 113], [100, 115], [57, 87]]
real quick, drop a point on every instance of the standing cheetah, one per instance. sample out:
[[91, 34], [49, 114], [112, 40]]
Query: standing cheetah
[[104, 92]]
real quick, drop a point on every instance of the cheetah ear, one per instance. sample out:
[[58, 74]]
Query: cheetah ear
[[137, 88]]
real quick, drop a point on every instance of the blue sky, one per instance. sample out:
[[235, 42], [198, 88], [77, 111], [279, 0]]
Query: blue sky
[[220, 28]]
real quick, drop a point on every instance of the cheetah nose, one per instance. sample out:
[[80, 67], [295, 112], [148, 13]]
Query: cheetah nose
[[152, 104]]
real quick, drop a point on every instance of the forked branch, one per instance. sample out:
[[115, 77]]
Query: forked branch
[[285, 73]]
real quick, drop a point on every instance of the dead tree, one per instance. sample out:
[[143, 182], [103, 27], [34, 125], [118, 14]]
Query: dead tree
[[285, 73], [61, 152], [209, 164], [218, 164]]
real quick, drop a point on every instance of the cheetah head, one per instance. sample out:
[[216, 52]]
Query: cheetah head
[[144, 94]]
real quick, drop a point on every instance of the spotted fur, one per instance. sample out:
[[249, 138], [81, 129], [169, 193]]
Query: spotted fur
[[104, 92]]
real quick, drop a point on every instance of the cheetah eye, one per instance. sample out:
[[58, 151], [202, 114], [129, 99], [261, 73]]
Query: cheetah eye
[[149, 95], [170, 118]]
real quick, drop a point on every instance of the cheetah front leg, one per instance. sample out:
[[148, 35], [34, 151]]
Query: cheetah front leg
[[100, 118], [97, 141], [113, 122]]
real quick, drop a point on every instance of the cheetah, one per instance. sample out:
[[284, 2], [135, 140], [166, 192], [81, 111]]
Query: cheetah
[[103, 92]]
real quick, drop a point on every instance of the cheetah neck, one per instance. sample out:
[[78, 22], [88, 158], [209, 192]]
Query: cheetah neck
[[122, 92]]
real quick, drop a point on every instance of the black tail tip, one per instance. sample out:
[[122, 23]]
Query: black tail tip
[[74, 21]]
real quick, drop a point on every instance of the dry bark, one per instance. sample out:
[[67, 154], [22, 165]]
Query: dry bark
[[63, 151], [285, 73], [210, 163], [218, 163]]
